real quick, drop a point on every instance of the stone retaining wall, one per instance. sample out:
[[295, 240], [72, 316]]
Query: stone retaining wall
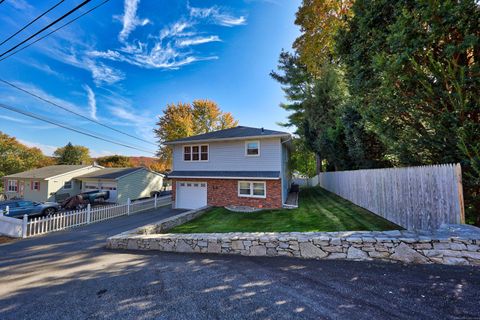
[[454, 244]]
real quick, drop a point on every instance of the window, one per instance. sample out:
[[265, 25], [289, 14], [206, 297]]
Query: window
[[12, 185], [251, 189], [24, 204], [67, 185], [187, 153], [195, 153], [35, 185], [252, 148]]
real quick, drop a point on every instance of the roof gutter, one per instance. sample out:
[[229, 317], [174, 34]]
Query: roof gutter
[[227, 139], [231, 178]]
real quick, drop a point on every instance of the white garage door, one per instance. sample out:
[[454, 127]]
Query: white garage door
[[105, 186], [191, 195]]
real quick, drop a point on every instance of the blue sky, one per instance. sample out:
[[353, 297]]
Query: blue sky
[[124, 62]]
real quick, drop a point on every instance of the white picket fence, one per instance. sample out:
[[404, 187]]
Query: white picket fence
[[70, 219]]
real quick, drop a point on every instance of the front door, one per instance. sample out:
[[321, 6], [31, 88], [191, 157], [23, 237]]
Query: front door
[[21, 188]]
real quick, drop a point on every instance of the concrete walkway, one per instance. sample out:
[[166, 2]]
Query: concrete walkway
[[70, 275]]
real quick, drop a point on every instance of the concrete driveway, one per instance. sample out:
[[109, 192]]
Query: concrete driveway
[[69, 275]]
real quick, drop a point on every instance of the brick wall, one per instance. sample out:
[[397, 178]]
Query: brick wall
[[224, 192]]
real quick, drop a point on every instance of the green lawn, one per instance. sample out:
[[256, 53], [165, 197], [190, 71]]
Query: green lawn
[[319, 210]]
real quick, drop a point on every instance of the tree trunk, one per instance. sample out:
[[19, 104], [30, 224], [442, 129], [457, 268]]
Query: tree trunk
[[318, 162]]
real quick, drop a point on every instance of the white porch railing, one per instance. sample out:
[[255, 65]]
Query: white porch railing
[[70, 219]]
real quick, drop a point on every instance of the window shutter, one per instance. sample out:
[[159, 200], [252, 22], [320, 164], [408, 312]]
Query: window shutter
[[31, 184]]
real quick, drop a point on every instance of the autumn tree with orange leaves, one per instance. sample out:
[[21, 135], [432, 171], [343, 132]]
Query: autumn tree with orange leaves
[[184, 119]]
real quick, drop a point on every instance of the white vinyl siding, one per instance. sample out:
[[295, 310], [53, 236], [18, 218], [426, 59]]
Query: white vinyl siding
[[138, 185], [56, 185], [230, 156]]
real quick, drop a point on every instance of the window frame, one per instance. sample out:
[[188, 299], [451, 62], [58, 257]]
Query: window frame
[[246, 148], [10, 185], [251, 195], [34, 182], [71, 185], [199, 146]]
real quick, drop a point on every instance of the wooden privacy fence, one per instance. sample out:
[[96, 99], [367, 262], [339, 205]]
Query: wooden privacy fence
[[416, 198], [70, 219]]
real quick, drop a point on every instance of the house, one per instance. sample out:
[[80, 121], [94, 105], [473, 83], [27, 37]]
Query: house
[[123, 183], [241, 166], [49, 183]]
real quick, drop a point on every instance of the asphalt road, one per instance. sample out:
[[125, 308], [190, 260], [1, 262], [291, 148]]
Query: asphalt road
[[70, 275]]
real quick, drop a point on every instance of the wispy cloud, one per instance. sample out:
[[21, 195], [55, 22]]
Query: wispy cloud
[[45, 68], [197, 41], [20, 5], [125, 113], [171, 47], [130, 19], [101, 73], [159, 52], [17, 120], [217, 16], [46, 149], [92, 103], [27, 100]]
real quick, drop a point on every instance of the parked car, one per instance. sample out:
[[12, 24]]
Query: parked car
[[81, 200], [17, 208]]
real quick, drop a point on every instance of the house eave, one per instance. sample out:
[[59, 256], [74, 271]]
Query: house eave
[[224, 178], [227, 139]]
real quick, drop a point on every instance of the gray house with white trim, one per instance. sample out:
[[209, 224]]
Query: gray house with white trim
[[241, 166]]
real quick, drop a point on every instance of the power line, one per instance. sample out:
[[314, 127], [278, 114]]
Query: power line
[[47, 26], [64, 126], [31, 22], [71, 111], [59, 28]]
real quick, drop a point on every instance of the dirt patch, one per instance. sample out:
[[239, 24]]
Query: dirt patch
[[5, 239]]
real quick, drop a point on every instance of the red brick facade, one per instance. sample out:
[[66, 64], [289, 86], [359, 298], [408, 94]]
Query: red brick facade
[[224, 192]]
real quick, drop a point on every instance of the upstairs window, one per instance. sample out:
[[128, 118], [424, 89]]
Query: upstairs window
[[252, 148], [195, 153]]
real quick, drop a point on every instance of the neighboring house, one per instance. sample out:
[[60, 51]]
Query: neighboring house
[[46, 184], [123, 183], [241, 166]]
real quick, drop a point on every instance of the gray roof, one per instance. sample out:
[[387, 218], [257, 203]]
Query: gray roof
[[232, 133], [47, 172], [225, 174], [109, 173]]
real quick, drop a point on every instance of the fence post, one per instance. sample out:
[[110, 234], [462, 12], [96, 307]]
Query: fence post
[[89, 208], [128, 206], [24, 226], [155, 201], [458, 173]]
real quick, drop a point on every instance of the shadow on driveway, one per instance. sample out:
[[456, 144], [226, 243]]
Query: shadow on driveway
[[74, 277]]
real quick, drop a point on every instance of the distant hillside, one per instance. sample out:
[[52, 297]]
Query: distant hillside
[[142, 161], [149, 162]]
